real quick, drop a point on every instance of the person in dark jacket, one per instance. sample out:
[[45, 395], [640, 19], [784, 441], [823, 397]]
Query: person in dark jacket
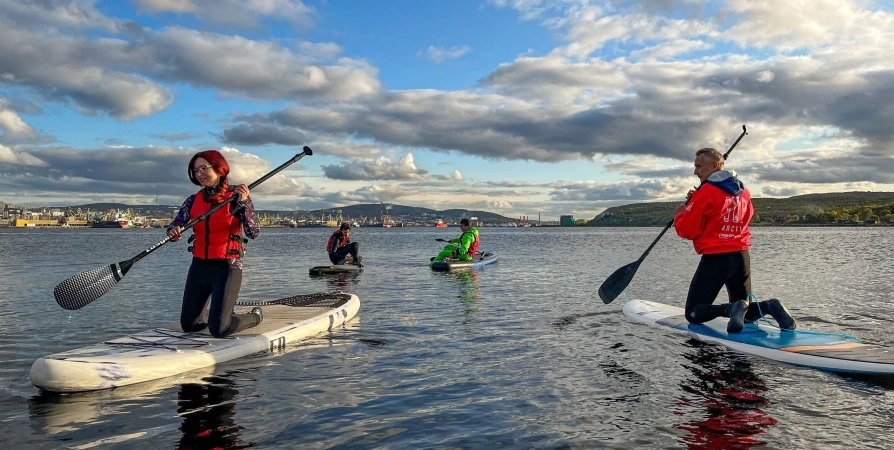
[[340, 246]]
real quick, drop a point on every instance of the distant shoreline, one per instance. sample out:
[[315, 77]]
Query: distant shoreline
[[754, 225]]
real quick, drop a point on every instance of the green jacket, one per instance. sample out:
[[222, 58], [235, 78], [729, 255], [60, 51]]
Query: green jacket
[[466, 240]]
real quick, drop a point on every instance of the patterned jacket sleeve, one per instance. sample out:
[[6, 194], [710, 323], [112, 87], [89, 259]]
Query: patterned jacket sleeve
[[183, 213], [245, 211]]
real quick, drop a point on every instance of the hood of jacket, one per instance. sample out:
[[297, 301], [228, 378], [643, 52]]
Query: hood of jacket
[[727, 181]]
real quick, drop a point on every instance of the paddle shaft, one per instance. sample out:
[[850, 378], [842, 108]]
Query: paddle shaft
[[193, 222]]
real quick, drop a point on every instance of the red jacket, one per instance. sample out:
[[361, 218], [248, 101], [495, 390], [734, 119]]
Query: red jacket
[[218, 236], [717, 216]]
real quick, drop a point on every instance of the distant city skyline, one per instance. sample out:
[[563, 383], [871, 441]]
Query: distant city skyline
[[517, 107], [393, 209]]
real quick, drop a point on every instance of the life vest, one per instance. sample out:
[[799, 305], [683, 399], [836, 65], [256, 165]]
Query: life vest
[[219, 236], [473, 249], [338, 239]]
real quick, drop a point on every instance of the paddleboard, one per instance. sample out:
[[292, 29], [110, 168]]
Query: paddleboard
[[335, 269], [825, 351], [481, 260], [168, 351]]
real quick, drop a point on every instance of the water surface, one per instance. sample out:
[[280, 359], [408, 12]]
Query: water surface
[[517, 354]]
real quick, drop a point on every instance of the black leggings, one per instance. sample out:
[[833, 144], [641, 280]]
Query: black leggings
[[732, 270], [340, 254], [214, 278]]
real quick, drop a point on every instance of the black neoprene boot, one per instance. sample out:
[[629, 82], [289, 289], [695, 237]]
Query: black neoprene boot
[[781, 315], [737, 312]]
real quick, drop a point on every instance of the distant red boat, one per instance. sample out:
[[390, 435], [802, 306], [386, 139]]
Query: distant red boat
[[110, 224]]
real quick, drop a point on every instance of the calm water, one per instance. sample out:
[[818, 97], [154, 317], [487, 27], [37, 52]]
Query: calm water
[[519, 354]]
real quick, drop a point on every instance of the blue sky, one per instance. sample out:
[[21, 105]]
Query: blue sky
[[518, 107]]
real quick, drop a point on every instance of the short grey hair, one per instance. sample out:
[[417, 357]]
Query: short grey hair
[[711, 154]]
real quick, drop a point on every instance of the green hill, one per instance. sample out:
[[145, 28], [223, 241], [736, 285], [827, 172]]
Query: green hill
[[376, 210], [837, 207]]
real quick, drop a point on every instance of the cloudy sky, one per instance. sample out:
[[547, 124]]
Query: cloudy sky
[[517, 107]]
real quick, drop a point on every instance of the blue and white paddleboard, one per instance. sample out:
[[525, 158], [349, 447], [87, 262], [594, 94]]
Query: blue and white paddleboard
[[482, 259], [824, 351]]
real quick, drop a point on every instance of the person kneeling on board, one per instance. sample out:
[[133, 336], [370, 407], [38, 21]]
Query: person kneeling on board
[[716, 220], [340, 246], [217, 248], [463, 248]]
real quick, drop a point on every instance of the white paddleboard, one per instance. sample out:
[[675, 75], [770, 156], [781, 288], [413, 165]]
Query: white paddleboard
[[481, 260], [825, 351], [168, 351]]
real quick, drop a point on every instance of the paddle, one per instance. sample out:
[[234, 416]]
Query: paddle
[[616, 282], [80, 290]]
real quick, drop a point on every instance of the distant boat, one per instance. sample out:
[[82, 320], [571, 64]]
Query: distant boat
[[440, 224], [121, 221]]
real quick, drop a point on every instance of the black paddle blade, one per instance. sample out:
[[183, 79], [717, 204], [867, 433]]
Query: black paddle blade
[[80, 290], [616, 282]]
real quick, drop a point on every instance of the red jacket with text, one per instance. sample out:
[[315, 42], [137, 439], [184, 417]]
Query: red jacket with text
[[717, 216]]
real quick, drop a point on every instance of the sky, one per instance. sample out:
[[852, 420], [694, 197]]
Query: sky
[[518, 107]]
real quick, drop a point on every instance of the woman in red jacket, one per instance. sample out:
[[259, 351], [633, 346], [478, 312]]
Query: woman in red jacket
[[218, 249], [716, 221]]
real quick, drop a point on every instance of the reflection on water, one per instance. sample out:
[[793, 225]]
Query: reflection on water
[[80, 416], [340, 281], [727, 396], [470, 290], [207, 411]]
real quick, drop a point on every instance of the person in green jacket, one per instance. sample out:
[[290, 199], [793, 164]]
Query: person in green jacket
[[463, 248]]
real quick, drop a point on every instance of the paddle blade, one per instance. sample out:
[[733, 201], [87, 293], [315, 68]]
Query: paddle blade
[[616, 282], [80, 290]]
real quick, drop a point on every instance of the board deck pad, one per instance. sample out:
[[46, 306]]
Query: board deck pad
[[167, 351], [483, 259], [825, 351]]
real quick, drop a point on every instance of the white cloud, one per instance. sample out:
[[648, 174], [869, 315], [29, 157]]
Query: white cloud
[[791, 25], [122, 76], [12, 124], [441, 54], [235, 13], [380, 168], [499, 204], [10, 156]]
